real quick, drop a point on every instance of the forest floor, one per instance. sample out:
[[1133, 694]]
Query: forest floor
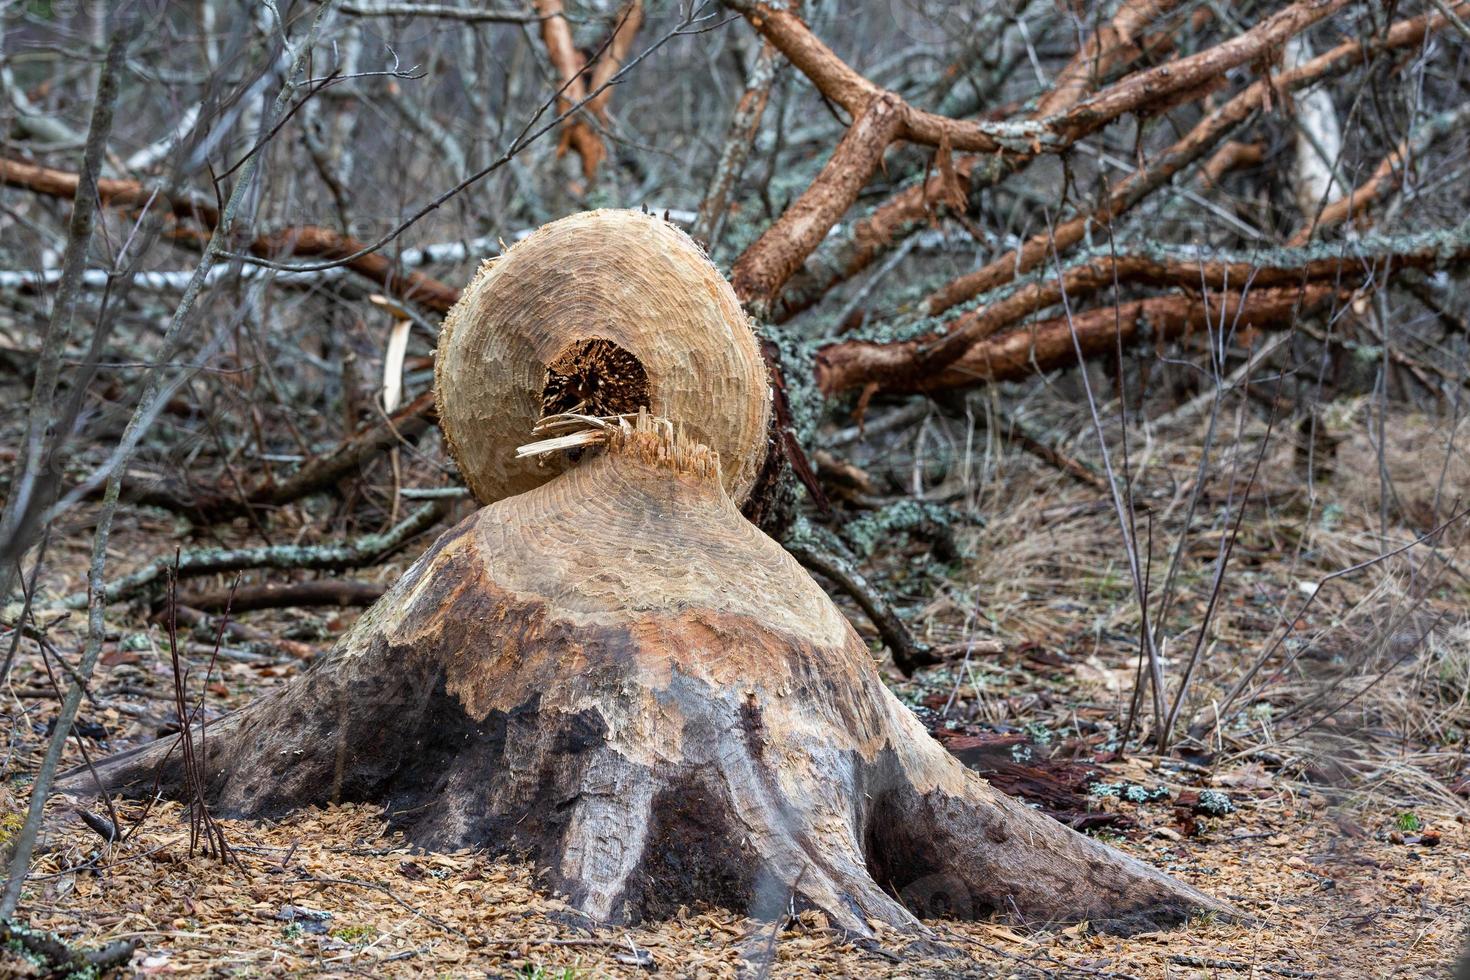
[[1328, 803]]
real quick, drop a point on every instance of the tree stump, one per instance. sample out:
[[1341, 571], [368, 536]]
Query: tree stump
[[614, 674], [618, 677]]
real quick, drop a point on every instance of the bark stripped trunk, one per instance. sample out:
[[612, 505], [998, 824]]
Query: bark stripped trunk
[[620, 678]]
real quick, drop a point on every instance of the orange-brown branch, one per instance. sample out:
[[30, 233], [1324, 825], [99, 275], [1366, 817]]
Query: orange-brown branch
[[1128, 192], [1141, 90], [917, 205], [1389, 174], [1232, 155], [1110, 46], [857, 364], [763, 269], [630, 19], [576, 133], [840, 83], [1049, 345], [193, 220]]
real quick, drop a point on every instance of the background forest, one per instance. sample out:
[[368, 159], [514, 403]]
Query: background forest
[[1123, 356]]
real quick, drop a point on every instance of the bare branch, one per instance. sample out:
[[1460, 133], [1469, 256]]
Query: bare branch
[[1047, 346], [440, 11], [851, 365], [1392, 172]]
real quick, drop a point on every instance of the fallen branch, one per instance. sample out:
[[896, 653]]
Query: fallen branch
[[1205, 135], [365, 550], [1011, 142], [912, 208], [921, 204], [62, 960], [470, 15], [1047, 346], [193, 220], [1232, 155], [858, 364], [741, 137], [610, 61], [570, 66], [320, 592], [764, 267], [1392, 172], [807, 545], [237, 630], [1111, 45], [1142, 90], [1019, 433], [315, 475]]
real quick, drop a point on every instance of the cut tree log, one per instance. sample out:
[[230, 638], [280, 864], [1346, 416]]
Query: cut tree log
[[601, 313], [620, 678]]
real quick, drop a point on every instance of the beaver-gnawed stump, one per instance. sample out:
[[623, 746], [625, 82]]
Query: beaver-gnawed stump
[[599, 313], [618, 677]]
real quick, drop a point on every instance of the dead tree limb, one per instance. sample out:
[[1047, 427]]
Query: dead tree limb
[[744, 125], [821, 552], [60, 960], [578, 133], [857, 364], [958, 186], [570, 66], [912, 208], [1232, 155], [1141, 90], [1392, 172], [767, 265], [193, 219], [1204, 136], [763, 269], [365, 550], [1112, 44], [610, 61], [1047, 345], [468, 15], [318, 592], [316, 475]]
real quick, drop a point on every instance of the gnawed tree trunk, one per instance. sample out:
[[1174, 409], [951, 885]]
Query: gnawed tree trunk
[[600, 313], [617, 676]]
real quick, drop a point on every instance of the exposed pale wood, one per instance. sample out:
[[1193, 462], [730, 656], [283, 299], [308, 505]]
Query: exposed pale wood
[[622, 276]]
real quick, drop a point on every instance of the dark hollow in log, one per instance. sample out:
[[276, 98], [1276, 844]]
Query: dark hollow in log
[[618, 677], [594, 377]]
